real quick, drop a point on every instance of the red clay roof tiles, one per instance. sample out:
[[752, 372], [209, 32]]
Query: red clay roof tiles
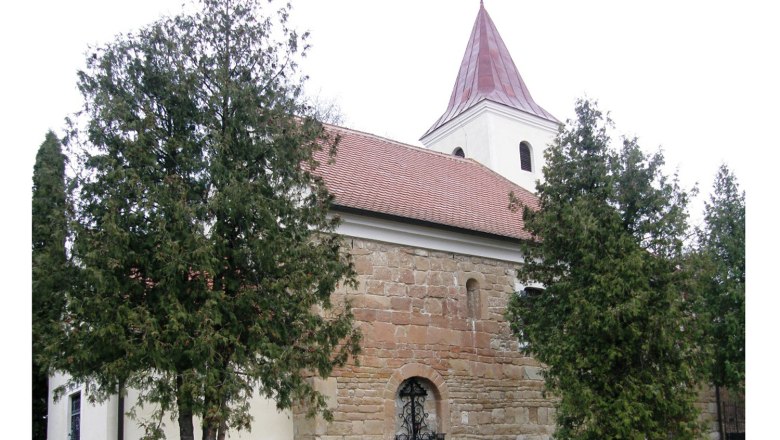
[[382, 176]]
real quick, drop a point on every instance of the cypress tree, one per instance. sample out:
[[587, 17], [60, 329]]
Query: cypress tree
[[49, 265]]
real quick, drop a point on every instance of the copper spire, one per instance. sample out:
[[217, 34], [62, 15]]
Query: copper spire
[[488, 72]]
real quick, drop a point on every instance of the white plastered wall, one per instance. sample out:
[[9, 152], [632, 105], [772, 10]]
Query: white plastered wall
[[491, 134], [99, 421], [268, 423]]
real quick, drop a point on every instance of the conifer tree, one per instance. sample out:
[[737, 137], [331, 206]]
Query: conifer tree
[[49, 264], [612, 326], [722, 246], [206, 253]]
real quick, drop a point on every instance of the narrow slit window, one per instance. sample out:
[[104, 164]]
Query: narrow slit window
[[472, 299]]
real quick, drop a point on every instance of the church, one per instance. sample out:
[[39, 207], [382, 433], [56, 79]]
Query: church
[[436, 249]]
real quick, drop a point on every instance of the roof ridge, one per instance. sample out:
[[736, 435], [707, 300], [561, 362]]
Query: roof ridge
[[401, 144], [432, 152]]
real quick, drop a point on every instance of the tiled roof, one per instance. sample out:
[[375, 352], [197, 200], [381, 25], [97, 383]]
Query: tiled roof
[[382, 176], [488, 72]]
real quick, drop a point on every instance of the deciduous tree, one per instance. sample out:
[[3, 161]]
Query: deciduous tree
[[612, 325], [207, 256]]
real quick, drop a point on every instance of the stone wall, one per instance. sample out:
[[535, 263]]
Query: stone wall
[[412, 307]]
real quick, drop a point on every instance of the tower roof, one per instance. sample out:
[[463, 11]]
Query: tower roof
[[488, 72]]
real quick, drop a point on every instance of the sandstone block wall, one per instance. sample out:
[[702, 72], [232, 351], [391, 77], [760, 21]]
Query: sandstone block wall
[[412, 307]]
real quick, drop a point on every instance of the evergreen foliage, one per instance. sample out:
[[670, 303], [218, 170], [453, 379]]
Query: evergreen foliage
[[206, 255], [721, 264], [612, 325], [49, 264]]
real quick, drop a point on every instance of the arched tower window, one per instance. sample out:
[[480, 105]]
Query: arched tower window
[[472, 298], [525, 156], [458, 152]]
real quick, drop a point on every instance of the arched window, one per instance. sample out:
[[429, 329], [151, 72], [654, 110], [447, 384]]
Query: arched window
[[417, 406], [525, 156], [532, 291], [472, 299], [458, 152]]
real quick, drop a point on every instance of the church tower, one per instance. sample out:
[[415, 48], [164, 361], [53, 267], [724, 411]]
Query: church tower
[[491, 116]]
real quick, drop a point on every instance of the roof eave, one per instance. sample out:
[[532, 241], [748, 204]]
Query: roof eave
[[412, 221], [442, 125]]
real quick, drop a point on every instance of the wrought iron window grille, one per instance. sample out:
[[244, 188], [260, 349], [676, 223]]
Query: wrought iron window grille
[[413, 417]]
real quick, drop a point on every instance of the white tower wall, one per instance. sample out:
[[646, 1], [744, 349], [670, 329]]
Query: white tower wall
[[491, 134]]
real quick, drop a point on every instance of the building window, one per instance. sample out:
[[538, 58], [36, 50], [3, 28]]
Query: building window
[[75, 416], [458, 152], [472, 298], [525, 156], [533, 292], [417, 406]]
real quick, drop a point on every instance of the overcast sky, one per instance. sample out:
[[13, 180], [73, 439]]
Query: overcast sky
[[696, 78], [699, 78]]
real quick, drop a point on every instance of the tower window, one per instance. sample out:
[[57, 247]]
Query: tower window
[[525, 156], [458, 152]]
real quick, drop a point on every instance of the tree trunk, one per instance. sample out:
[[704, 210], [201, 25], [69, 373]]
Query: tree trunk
[[222, 431], [721, 431], [120, 412], [186, 428], [209, 433]]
